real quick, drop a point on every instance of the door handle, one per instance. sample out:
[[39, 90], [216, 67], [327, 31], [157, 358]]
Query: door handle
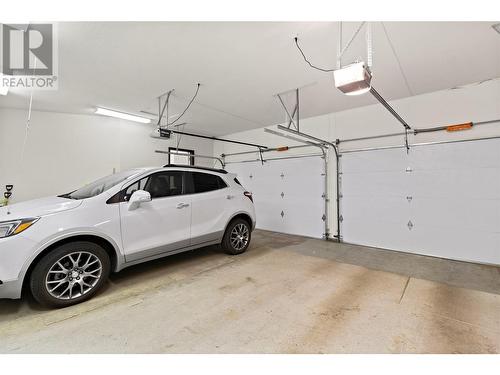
[[182, 205]]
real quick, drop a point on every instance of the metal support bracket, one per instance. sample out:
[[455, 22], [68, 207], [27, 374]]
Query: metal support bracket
[[193, 156], [294, 117], [407, 145], [260, 156], [164, 106]]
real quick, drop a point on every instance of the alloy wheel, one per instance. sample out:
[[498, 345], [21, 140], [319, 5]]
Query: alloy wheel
[[239, 236], [73, 275]]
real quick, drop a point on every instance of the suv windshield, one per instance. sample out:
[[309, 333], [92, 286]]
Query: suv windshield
[[101, 185]]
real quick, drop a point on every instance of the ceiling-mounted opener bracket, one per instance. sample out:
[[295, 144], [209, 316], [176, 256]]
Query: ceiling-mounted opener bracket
[[164, 106], [294, 117]]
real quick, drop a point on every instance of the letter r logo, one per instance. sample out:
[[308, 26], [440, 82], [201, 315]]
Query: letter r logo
[[27, 49]]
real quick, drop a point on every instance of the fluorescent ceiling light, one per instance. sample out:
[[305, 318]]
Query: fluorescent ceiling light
[[353, 79], [496, 27], [124, 116], [4, 90]]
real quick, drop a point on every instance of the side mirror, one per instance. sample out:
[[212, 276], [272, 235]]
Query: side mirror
[[138, 197]]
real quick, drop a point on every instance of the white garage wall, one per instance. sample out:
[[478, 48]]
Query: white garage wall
[[475, 102], [65, 151]]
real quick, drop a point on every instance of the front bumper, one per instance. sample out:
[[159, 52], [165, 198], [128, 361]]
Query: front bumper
[[11, 289], [15, 255]]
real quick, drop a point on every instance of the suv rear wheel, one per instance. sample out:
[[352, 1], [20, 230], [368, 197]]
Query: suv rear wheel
[[237, 237], [70, 274]]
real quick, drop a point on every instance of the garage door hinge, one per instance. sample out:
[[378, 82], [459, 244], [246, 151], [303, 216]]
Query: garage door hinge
[[341, 218], [282, 194], [409, 198], [410, 225], [323, 217], [409, 169], [282, 214]]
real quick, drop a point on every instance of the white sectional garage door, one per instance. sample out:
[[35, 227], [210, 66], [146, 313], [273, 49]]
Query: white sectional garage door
[[441, 200], [287, 194]]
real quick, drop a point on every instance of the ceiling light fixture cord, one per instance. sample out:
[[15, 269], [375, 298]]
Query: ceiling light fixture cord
[[187, 107], [307, 61]]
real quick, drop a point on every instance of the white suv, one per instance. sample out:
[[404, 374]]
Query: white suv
[[63, 248]]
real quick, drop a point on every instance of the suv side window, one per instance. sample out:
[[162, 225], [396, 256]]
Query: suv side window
[[138, 185], [165, 184], [159, 185], [203, 182]]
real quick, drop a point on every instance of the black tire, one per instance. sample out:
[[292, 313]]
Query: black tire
[[40, 277], [229, 246]]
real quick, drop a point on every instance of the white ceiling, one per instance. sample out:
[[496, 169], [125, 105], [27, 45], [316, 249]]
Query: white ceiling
[[126, 65]]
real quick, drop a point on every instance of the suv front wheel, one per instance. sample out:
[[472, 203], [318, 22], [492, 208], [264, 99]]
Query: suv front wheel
[[70, 274], [237, 237]]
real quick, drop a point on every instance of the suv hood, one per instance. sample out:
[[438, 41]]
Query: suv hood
[[37, 207]]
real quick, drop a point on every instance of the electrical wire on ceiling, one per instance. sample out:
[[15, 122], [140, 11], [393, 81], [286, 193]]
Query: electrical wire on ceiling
[[307, 61], [187, 107], [341, 50], [209, 108]]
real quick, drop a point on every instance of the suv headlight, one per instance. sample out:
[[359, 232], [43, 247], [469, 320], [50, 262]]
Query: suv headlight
[[11, 228]]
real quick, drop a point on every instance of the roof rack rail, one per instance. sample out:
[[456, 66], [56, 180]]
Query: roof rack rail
[[196, 167]]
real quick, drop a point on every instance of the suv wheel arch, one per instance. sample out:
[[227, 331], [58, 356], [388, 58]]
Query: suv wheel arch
[[114, 255]]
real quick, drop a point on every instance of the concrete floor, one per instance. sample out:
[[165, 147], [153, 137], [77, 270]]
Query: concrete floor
[[287, 294]]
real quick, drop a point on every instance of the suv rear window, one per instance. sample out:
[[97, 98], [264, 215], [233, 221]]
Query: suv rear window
[[203, 182]]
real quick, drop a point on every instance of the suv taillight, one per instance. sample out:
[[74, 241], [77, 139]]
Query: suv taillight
[[248, 195]]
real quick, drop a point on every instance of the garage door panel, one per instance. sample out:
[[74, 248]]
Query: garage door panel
[[478, 215], [370, 224], [378, 210], [466, 246], [314, 225], [268, 215], [388, 235], [288, 194], [463, 154], [389, 160], [375, 184], [464, 183], [453, 205]]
